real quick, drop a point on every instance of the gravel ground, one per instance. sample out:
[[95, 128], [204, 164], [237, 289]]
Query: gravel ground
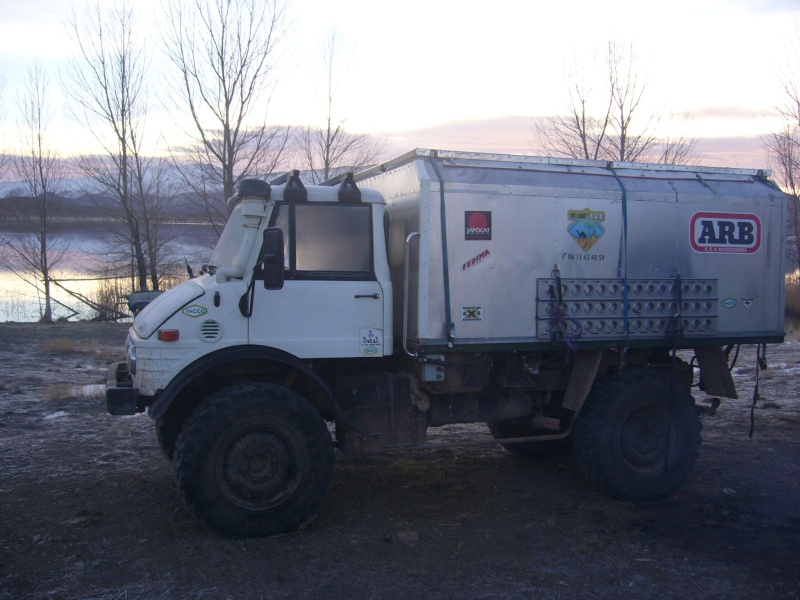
[[89, 507]]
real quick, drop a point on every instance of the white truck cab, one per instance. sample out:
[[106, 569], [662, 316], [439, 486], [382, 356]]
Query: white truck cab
[[321, 242]]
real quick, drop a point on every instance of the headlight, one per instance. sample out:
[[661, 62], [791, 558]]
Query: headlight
[[131, 357]]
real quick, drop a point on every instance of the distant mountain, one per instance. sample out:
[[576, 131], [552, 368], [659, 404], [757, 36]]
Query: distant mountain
[[90, 207]]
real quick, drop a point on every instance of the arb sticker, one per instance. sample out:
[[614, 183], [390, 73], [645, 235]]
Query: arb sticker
[[477, 225], [733, 233], [371, 341]]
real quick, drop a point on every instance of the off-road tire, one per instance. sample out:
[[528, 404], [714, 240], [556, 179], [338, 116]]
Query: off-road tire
[[523, 428], [253, 460], [627, 427], [167, 430]]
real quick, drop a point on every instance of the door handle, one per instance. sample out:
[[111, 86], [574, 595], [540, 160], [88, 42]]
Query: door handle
[[374, 296]]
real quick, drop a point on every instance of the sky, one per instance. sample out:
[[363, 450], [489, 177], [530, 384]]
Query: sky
[[470, 75]]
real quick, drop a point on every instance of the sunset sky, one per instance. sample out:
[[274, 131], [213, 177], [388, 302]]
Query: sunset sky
[[471, 75]]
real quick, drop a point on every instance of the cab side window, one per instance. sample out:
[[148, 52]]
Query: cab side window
[[326, 240]]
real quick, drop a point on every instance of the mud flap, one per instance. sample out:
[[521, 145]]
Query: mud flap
[[715, 375], [581, 378]]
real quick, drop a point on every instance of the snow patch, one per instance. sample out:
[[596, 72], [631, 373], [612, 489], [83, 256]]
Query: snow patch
[[93, 391]]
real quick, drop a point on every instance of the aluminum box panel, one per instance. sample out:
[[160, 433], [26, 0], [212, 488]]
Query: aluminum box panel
[[511, 220]]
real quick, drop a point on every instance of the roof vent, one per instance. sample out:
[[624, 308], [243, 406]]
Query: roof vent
[[348, 191]]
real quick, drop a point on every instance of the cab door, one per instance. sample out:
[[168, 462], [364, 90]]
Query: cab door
[[331, 304]]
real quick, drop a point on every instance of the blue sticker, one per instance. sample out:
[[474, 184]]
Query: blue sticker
[[729, 303]]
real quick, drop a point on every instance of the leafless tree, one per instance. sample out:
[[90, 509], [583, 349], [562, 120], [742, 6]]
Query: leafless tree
[[677, 150], [783, 152], [783, 147], [33, 251], [224, 54], [330, 150], [627, 88], [106, 85], [610, 124], [580, 131], [3, 154]]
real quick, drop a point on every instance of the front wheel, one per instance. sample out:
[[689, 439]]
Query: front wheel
[[638, 435], [253, 460]]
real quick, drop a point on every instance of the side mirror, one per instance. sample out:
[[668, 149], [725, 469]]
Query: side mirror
[[271, 258]]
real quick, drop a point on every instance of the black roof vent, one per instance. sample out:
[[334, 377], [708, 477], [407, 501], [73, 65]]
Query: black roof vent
[[348, 190], [253, 187], [295, 190]]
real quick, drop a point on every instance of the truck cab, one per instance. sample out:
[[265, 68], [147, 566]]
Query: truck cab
[[284, 248]]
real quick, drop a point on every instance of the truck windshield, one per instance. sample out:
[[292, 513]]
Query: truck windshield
[[230, 242]]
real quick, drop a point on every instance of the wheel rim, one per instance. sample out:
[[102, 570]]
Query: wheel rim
[[258, 469], [646, 437]]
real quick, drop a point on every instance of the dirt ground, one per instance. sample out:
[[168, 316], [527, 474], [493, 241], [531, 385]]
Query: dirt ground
[[89, 509]]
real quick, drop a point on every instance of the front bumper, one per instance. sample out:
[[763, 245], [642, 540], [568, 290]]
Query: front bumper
[[121, 397]]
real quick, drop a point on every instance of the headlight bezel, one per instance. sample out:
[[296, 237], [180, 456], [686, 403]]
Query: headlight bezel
[[130, 355]]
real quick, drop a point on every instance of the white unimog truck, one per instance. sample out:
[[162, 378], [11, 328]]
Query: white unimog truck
[[544, 297]]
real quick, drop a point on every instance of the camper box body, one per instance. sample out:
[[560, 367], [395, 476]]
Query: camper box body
[[495, 231]]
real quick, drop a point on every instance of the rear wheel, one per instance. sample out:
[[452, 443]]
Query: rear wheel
[[253, 460], [638, 435]]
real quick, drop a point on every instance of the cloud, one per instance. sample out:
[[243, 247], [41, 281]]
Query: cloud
[[768, 6], [506, 135], [513, 135], [741, 151], [722, 112]]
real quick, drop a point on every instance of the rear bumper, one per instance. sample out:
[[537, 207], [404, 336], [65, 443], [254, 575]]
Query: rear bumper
[[121, 397]]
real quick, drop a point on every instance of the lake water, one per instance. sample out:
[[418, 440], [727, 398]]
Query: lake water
[[88, 248]]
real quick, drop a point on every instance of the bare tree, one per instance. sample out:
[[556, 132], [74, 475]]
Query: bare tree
[[677, 150], [783, 148], [35, 250], [783, 152], [106, 86], [580, 131], [3, 154], [224, 53], [611, 124], [627, 89], [330, 150]]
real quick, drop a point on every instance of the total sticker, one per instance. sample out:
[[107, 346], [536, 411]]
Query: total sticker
[[371, 341]]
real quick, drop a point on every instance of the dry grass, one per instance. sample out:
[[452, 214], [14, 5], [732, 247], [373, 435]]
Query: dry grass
[[789, 419], [58, 391], [68, 346], [793, 296], [13, 389]]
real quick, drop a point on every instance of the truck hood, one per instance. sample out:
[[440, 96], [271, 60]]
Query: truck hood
[[163, 307]]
